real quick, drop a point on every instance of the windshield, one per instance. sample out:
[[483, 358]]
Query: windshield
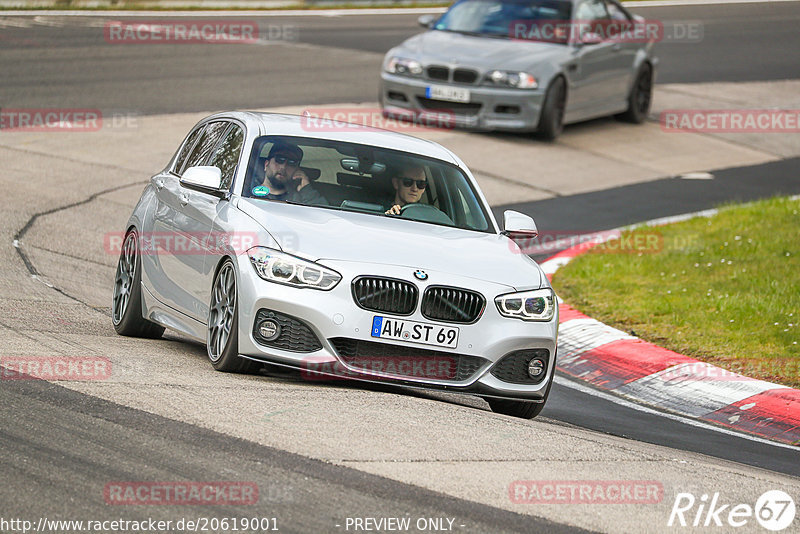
[[497, 18], [351, 177]]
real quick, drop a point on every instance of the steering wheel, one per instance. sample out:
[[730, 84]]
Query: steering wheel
[[425, 213]]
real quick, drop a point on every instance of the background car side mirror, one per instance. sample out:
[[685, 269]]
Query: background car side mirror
[[591, 38], [517, 225], [205, 179], [426, 21]]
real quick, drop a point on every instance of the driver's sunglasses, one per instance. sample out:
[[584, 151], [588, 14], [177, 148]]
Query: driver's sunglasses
[[421, 184], [281, 160]]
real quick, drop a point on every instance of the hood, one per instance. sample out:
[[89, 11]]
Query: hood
[[481, 52], [327, 234]]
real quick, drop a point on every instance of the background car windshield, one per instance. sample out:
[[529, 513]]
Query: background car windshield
[[363, 178], [495, 18]]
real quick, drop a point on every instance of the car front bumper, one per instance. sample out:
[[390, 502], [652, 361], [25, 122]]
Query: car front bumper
[[489, 108], [334, 315]]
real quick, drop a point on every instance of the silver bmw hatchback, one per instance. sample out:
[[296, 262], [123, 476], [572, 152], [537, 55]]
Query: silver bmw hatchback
[[523, 65], [340, 250]]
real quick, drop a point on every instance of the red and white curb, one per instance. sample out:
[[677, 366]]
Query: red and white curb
[[612, 360]]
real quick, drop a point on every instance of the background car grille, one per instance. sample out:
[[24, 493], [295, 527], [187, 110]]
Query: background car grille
[[513, 367], [436, 72], [451, 304], [457, 108], [295, 336], [385, 295], [412, 362], [460, 75]]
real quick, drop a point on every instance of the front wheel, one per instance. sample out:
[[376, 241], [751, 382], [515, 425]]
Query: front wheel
[[126, 312], [223, 324], [551, 119], [640, 97], [522, 409]]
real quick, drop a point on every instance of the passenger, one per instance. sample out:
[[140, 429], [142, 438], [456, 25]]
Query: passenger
[[409, 186], [285, 180]]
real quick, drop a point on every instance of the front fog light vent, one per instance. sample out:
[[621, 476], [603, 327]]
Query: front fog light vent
[[269, 330], [528, 366]]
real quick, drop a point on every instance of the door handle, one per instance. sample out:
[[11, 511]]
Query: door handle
[[184, 199], [159, 184]]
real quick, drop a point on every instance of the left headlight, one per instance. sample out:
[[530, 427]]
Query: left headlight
[[536, 305], [518, 80], [281, 268], [407, 67]]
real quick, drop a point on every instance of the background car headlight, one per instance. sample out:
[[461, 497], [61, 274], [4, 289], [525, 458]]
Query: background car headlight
[[281, 268], [519, 80], [407, 67], [537, 305]]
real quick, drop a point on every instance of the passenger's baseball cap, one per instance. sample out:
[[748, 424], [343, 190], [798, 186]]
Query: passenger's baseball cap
[[281, 148]]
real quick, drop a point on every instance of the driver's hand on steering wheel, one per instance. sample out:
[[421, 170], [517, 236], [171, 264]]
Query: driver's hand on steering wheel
[[394, 210]]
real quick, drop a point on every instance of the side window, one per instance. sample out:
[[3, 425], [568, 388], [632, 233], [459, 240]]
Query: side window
[[205, 145], [226, 156], [187, 146], [591, 11], [616, 12]]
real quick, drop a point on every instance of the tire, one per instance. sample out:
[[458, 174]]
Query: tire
[[222, 342], [126, 304], [551, 120], [640, 97], [522, 409]]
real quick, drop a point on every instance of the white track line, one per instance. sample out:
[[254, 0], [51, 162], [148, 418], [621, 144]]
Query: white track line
[[578, 386]]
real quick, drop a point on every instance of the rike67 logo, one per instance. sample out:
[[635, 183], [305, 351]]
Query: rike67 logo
[[774, 510]]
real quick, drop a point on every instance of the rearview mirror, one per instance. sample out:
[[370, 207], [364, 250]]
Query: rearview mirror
[[426, 21], [355, 165], [517, 225], [205, 179]]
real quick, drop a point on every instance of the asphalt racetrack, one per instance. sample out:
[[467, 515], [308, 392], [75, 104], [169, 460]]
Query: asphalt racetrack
[[325, 452]]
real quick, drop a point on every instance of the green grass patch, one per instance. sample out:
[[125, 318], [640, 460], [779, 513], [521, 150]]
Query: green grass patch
[[725, 289]]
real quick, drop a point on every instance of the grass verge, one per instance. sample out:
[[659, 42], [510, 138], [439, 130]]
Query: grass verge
[[725, 289]]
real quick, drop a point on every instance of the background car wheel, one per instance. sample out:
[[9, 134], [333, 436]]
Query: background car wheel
[[223, 324], [640, 97], [525, 410], [551, 120], [126, 310]]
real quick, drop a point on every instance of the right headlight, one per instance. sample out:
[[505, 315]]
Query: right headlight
[[516, 79], [404, 66], [276, 266], [536, 305]]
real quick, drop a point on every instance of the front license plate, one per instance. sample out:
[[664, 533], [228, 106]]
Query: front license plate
[[414, 332], [445, 92]]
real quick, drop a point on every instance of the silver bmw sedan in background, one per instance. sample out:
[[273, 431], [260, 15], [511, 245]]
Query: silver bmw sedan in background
[[523, 65], [341, 250]]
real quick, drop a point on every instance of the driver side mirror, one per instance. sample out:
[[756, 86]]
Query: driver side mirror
[[518, 226], [205, 179], [426, 21]]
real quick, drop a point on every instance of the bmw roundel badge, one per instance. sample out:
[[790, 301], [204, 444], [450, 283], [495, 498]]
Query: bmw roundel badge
[[420, 274]]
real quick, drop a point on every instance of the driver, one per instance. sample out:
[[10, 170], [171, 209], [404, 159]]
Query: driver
[[409, 185], [285, 180]]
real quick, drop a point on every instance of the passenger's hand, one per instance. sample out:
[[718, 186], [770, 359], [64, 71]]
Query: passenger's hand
[[394, 210], [301, 179]]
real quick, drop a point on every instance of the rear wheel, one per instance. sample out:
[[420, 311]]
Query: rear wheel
[[551, 119], [126, 312], [640, 97], [223, 324], [522, 409]]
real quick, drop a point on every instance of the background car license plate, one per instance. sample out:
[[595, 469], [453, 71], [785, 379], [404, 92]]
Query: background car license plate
[[445, 92], [402, 330]]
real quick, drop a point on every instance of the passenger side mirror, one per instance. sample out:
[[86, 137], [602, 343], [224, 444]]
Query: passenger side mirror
[[205, 179], [517, 225], [591, 38], [426, 21]]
